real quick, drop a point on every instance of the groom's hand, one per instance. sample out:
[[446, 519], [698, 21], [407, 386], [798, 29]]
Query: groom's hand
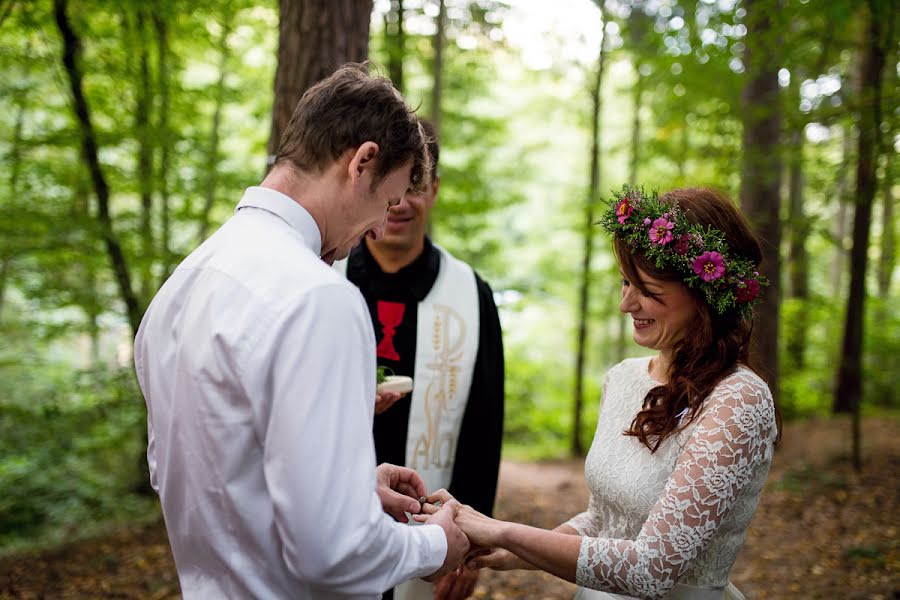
[[457, 542], [399, 489]]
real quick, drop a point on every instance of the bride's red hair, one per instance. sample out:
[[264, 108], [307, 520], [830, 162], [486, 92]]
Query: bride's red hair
[[717, 343]]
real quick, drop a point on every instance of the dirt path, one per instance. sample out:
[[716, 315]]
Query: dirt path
[[821, 531]]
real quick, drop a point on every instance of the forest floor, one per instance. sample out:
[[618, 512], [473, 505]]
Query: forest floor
[[821, 531]]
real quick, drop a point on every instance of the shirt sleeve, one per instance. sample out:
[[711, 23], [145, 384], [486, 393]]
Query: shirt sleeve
[[151, 438], [730, 443], [478, 449], [318, 362]]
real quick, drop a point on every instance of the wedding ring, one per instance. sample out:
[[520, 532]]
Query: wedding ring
[[422, 500]]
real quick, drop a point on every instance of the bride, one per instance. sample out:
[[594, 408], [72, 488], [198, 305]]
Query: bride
[[684, 438]]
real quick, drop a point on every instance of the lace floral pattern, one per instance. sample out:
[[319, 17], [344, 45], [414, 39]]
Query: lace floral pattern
[[679, 514]]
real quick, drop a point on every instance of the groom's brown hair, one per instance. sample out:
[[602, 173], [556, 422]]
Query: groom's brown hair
[[346, 109]]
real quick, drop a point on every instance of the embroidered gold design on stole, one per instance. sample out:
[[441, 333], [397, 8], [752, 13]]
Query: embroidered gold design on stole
[[435, 448]]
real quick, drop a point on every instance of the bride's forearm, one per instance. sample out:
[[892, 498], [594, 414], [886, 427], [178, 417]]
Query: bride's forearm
[[521, 563], [553, 551]]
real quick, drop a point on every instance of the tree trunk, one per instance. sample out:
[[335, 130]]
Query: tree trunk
[[212, 157], [798, 262], [633, 163], [145, 157], [437, 93], [4, 276], [165, 142], [848, 394], [87, 273], [15, 166], [315, 37], [761, 174], [888, 244], [840, 226], [15, 151], [395, 40], [636, 128], [71, 52], [589, 226]]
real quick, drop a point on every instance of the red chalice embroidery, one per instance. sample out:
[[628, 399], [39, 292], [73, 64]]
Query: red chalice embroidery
[[390, 315]]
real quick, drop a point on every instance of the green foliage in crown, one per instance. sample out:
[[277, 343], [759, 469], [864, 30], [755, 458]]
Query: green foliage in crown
[[661, 232]]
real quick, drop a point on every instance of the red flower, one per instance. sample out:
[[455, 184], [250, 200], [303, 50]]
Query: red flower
[[683, 244], [624, 210], [709, 266], [747, 290], [661, 231]]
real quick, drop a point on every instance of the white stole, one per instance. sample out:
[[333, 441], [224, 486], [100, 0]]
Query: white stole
[[447, 335], [446, 348]]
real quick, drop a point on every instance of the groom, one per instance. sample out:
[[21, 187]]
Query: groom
[[257, 363]]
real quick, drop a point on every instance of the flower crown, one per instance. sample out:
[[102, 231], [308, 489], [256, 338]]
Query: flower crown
[[661, 232]]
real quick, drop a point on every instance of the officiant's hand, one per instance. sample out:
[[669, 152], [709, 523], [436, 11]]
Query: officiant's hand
[[399, 489], [385, 400], [456, 585]]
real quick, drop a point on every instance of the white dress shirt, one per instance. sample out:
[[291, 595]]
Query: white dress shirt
[[257, 362]]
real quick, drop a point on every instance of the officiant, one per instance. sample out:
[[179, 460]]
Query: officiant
[[436, 321]]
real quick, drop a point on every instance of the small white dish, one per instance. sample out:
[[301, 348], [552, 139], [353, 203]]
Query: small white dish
[[395, 383]]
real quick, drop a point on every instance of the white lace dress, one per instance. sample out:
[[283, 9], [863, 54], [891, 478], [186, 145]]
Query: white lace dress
[[670, 524]]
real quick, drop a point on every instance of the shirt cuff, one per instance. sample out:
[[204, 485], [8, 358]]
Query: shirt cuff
[[434, 547]]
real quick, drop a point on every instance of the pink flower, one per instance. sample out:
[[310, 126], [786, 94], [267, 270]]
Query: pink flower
[[623, 210], [747, 290], [647, 221], [683, 244], [709, 266], [661, 231]]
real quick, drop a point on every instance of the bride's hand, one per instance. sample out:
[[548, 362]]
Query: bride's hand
[[498, 559], [481, 530]]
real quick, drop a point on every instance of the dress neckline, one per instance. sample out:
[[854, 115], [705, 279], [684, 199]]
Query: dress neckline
[[646, 371]]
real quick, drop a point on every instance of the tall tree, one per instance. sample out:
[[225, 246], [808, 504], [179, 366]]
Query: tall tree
[[212, 157], [315, 37], [15, 167], [395, 41], [848, 391], [841, 193], [799, 224], [440, 34], [637, 29], [888, 215], [165, 141], [584, 285], [143, 133], [71, 62], [798, 263], [761, 171], [888, 241]]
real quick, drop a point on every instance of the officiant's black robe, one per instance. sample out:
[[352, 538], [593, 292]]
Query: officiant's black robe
[[477, 465]]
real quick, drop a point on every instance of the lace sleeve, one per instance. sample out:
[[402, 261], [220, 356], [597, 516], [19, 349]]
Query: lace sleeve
[[730, 441], [586, 523]]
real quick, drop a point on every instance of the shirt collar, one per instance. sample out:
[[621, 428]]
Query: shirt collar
[[287, 209]]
